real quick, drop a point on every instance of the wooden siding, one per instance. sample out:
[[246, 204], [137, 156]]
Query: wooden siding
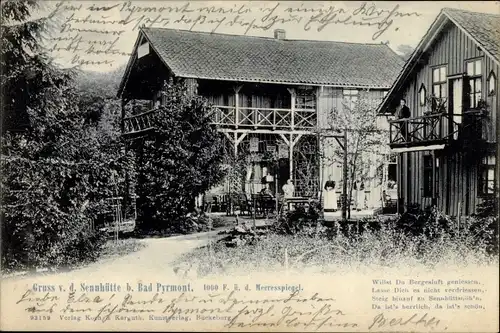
[[458, 175], [330, 98]]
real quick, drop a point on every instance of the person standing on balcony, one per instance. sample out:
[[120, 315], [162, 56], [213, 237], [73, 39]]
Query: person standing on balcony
[[330, 197], [403, 112]]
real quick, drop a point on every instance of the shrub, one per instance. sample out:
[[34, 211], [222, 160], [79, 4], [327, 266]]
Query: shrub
[[57, 164], [299, 219], [180, 160]]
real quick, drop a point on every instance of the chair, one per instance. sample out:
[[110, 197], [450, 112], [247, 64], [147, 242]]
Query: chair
[[244, 204], [208, 202], [231, 203], [268, 203]]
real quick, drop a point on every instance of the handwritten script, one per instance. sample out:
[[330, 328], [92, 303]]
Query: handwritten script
[[311, 312], [96, 33]]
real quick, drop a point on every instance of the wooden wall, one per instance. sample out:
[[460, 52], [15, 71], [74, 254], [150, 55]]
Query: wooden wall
[[330, 98], [458, 174]]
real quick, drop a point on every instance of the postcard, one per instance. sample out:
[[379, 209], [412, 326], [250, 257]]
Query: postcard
[[250, 166]]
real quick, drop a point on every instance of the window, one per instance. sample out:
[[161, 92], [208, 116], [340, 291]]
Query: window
[[429, 176], [492, 80], [475, 78], [305, 99], [439, 82], [422, 93], [351, 97], [385, 93], [487, 176]]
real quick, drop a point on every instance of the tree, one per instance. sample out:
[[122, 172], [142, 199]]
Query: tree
[[366, 138], [56, 161], [405, 51], [180, 160]]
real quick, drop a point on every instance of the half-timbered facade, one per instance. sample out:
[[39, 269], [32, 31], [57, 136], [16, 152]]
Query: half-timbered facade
[[266, 94], [448, 148]]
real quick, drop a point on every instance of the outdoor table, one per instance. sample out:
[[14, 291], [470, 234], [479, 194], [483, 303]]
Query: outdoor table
[[290, 202]]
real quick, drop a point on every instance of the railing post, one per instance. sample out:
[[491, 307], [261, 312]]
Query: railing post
[[292, 106], [274, 118], [407, 129], [237, 105], [440, 124]]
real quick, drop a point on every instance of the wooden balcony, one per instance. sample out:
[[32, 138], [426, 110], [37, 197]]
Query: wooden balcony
[[263, 118], [436, 129], [138, 124], [235, 118]]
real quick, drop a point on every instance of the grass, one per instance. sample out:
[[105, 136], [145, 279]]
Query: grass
[[370, 251], [113, 249]]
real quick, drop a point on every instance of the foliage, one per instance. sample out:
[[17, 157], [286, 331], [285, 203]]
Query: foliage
[[481, 230], [406, 51], [241, 235], [180, 160], [381, 248], [59, 163], [300, 219], [488, 207]]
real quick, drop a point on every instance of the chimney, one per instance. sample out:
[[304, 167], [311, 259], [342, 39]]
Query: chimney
[[279, 34]]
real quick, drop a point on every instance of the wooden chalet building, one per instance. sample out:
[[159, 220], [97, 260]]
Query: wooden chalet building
[[448, 155], [266, 94]]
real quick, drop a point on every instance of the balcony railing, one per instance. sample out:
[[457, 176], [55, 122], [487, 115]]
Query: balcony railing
[[138, 124], [227, 117], [246, 117], [438, 128]]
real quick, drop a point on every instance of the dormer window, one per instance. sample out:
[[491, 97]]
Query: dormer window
[[492, 81], [422, 94]]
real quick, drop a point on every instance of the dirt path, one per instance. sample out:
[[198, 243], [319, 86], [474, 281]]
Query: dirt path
[[155, 259]]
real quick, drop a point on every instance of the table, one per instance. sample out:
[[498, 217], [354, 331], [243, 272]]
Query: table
[[290, 202]]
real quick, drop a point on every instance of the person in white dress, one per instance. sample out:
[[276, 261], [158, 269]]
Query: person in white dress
[[288, 192], [360, 195], [329, 195], [288, 189]]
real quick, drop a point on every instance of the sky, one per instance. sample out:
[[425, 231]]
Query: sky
[[100, 35]]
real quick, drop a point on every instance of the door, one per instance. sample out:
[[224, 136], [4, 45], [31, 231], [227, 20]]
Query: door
[[456, 105]]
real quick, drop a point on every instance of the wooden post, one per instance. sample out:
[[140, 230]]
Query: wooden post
[[320, 168], [237, 105], [292, 106], [276, 191], [235, 141], [290, 157], [122, 123], [399, 181], [433, 154], [344, 185]]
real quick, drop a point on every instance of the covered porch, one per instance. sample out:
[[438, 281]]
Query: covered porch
[[260, 165]]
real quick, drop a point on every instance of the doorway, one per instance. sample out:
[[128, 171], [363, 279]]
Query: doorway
[[283, 172], [455, 105]]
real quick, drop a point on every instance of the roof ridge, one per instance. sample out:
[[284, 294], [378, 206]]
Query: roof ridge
[[468, 11], [263, 37]]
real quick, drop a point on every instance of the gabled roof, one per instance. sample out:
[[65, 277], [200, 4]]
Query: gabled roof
[[257, 59], [482, 28]]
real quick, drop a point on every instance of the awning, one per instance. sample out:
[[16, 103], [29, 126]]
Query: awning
[[417, 148]]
